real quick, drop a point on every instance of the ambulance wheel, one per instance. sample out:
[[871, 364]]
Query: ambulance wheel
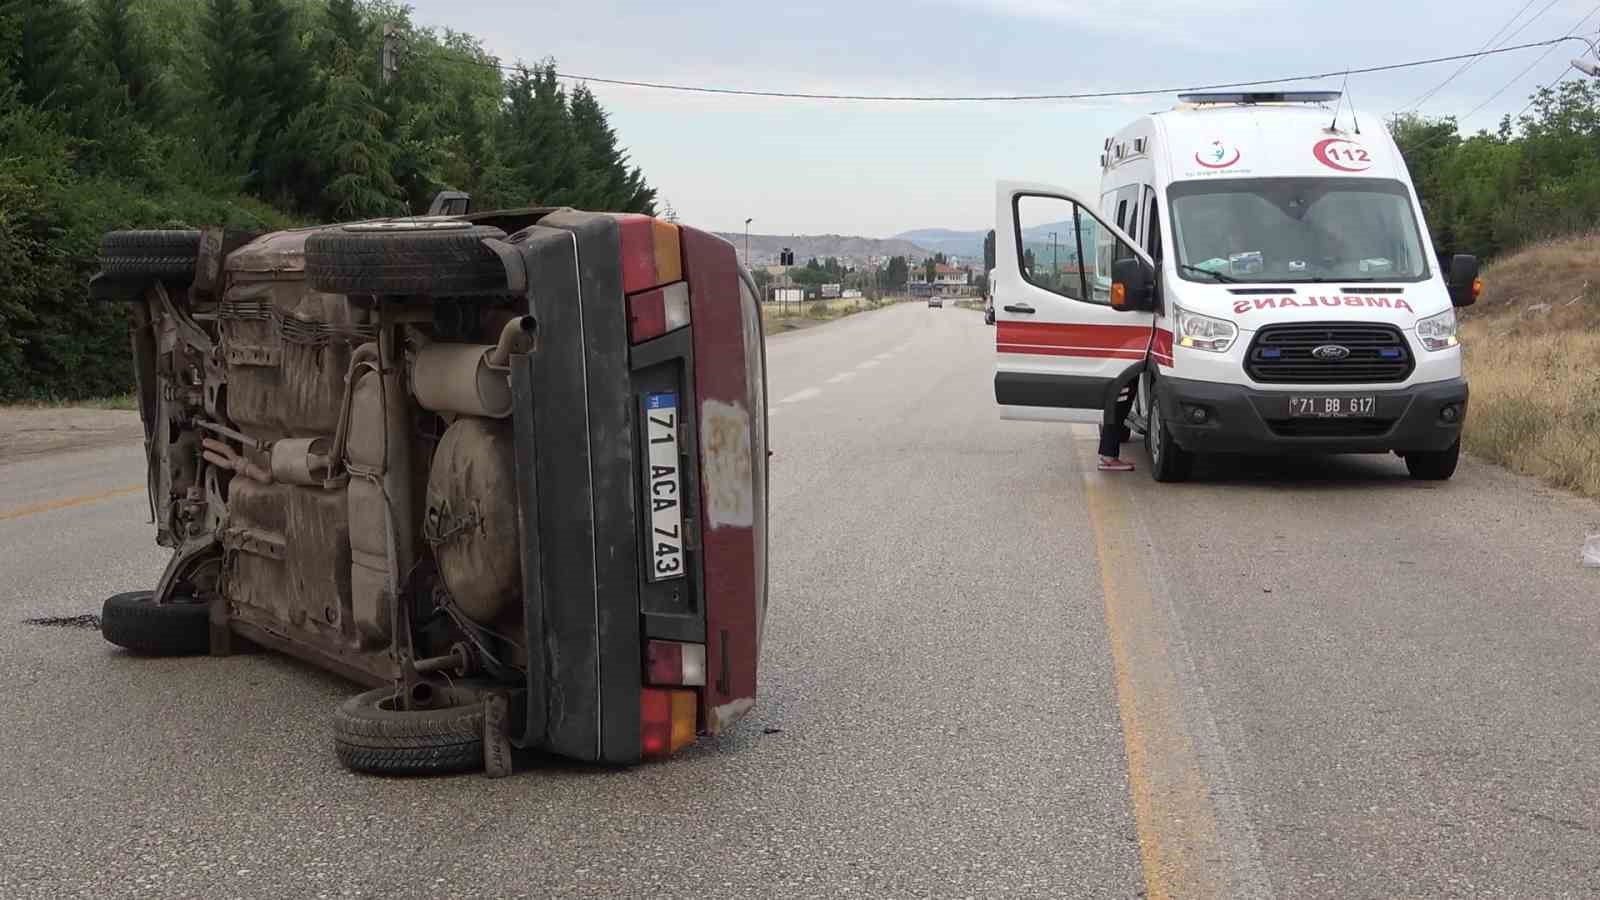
[[1168, 461], [412, 258], [1434, 465], [373, 734]]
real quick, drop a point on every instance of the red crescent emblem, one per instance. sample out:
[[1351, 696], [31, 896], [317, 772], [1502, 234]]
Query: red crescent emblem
[[1349, 158]]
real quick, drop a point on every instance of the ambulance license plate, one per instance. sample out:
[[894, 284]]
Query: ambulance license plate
[[663, 487], [1324, 407]]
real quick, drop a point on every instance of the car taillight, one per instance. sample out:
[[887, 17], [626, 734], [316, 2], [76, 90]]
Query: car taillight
[[666, 721], [655, 312], [669, 662]]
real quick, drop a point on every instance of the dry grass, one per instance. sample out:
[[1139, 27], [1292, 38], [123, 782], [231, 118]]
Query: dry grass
[[815, 312], [1533, 358], [121, 401]]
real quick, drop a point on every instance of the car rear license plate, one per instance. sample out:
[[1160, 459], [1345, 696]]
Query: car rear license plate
[[663, 486], [1326, 407]]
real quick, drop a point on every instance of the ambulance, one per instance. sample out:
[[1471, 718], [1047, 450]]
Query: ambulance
[[1255, 277]]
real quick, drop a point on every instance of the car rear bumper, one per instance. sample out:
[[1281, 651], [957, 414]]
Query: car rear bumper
[[589, 607], [1240, 419]]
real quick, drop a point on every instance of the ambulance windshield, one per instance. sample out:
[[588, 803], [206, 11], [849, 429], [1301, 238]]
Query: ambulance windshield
[[1296, 229]]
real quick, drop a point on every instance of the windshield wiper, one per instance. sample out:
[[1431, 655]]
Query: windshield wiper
[[1226, 279]]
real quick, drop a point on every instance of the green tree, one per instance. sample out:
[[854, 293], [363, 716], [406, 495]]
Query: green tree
[[607, 181], [357, 156], [119, 45], [42, 55], [896, 272], [233, 116]]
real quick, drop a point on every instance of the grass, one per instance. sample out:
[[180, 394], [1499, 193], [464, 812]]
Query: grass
[[815, 312], [128, 402], [1532, 343]]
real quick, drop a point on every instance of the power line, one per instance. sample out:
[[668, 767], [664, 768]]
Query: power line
[[1087, 95], [1469, 63], [1571, 32]]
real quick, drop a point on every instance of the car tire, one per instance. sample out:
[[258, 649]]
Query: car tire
[[421, 259], [1434, 465], [167, 254], [1169, 462], [372, 735], [135, 622]]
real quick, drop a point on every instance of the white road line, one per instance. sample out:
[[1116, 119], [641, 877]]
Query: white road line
[[798, 396], [883, 356], [871, 363], [842, 376]]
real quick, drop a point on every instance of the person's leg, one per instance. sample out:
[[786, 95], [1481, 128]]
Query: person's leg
[[1111, 434]]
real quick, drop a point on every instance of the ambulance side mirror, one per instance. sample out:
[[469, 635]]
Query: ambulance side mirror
[[1132, 285], [1465, 285]]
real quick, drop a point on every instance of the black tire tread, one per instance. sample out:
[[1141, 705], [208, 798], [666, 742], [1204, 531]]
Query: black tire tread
[[1436, 465], [134, 622], [436, 741], [168, 254], [417, 263]]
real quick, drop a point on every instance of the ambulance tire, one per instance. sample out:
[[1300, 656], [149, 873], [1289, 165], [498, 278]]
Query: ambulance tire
[[412, 259], [1168, 462], [372, 734], [1436, 465]]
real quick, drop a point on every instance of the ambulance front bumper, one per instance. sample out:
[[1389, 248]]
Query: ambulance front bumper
[[1210, 417]]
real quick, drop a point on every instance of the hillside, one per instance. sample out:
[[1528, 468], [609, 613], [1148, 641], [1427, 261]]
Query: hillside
[[1531, 342], [764, 248], [949, 241]]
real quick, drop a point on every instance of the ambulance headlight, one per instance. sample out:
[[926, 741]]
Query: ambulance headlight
[[1205, 333], [1438, 332]]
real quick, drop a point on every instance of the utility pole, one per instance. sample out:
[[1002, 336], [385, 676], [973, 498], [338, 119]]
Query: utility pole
[[1055, 269], [747, 242], [389, 64]]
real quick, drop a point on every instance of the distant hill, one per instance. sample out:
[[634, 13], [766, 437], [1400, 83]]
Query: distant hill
[[764, 248], [951, 242]]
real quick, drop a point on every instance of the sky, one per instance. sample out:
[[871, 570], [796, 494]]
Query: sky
[[879, 168]]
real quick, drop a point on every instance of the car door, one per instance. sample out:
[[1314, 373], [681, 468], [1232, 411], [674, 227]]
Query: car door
[[1059, 344]]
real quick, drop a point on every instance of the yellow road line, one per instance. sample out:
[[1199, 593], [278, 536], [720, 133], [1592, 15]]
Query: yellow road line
[[69, 502], [1179, 844]]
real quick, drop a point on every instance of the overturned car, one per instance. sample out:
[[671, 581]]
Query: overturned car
[[507, 469]]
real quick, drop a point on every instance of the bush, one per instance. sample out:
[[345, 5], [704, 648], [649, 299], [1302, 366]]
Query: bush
[[55, 343]]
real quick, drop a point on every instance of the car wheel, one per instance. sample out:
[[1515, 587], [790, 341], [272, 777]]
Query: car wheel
[[1168, 461], [136, 622], [1434, 465], [167, 254], [422, 259], [373, 734]]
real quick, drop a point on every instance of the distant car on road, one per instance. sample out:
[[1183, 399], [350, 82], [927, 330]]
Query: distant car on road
[[936, 302]]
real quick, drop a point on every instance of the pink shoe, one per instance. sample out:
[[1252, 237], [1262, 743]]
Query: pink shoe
[[1113, 464]]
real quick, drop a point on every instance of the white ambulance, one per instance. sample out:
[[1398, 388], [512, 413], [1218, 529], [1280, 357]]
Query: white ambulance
[[1256, 278]]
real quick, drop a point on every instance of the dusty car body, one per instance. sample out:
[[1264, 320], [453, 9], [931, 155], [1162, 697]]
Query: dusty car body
[[507, 469]]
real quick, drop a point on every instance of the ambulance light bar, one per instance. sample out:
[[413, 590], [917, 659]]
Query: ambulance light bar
[[1261, 97]]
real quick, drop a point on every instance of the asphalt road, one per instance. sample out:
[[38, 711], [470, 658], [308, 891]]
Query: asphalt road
[[989, 671]]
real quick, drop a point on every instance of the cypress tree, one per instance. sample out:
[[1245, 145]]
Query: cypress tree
[[44, 51]]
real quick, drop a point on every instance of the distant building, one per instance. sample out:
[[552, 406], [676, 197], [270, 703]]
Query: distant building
[[948, 281]]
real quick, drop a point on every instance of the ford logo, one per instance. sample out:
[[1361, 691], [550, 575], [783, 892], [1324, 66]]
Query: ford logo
[[1331, 352]]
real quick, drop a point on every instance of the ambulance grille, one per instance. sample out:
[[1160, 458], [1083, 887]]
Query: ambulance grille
[[1282, 354]]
